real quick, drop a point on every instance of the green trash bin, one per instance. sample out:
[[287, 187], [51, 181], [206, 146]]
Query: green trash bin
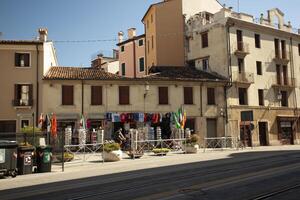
[[43, 159], [25, 159]]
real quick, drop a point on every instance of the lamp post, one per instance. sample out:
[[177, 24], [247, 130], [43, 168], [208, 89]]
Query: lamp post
[[33, 127]]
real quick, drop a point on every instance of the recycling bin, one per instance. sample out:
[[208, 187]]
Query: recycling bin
[[8, 158], [25, 159], [43, 159]]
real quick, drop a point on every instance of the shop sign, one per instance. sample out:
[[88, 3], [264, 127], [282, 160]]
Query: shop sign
[[2, 155]]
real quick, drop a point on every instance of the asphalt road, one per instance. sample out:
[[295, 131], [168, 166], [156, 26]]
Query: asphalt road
[[262, 175]]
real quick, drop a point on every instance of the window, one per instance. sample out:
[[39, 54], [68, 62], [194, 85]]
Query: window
[[148, 46], [204, 39], [124, 95], [123, 69], [96, 95], [147, 23], [278, 74], [207, 17], [151, 18], [205, 64], [243, 99], [283, 49], [284, 99], [241, 65], [257, 40], [285, 74], [211, 96], [67, 95], [276, 44], [122, 48], [141, 42], [142, 64], [23, 95], [152, 41], [163, 96], [188, 95], [258, 68], [261, 100], [22, 59], [239, 37], [190, 123], [24, 123]]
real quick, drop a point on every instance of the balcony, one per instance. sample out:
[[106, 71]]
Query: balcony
[[242, 49], [22, 103], [283, 83], [281, 58], [244, 78]]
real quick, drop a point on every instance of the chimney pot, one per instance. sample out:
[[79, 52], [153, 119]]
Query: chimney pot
[[43, 33], [131, 33], [120, 36]]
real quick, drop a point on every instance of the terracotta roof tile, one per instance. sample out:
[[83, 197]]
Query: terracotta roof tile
[[78, 73], [20, 42]]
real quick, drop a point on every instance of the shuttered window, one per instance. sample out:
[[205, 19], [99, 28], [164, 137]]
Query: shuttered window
[[188, 95], [123, 95], [204, 39], [211, 96], [96, 95], [163, 95], [67, 95], [22, 59]]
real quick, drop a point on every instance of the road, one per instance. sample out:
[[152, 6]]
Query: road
[[256, 175]]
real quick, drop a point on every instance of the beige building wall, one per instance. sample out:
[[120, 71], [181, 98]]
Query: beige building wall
[[200, 111]]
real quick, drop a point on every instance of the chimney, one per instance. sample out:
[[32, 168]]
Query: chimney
[[120, 36], [43, 32], [131, 33]]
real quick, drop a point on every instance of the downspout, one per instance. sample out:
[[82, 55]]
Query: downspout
[[134, 59], [37, 86], [82, 98], [201, 106], [145, 44]]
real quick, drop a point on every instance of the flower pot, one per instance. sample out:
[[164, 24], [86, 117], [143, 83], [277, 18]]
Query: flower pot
[[112, 156]]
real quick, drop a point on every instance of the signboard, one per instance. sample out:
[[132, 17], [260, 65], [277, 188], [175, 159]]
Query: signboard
[[246, 115], [2, 155], [27, 159]]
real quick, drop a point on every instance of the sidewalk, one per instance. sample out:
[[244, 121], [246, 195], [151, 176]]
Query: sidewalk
[[91, 169]]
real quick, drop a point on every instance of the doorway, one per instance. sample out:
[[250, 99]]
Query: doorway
[[245, 135], [286, 133], [263, 130]]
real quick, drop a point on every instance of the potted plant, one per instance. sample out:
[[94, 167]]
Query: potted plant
[[161, 151], [68, 157], [191, 144], [112, 152]]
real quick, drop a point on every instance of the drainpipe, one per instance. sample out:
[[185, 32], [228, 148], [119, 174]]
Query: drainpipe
[[82, 97], [134, 59], [201, 109], [37, 86]]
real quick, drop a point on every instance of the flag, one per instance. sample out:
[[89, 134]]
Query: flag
[[180, 115], [41, 121], [53, 126], [82, 122], [183, 118], [47, 124], [175, 118]]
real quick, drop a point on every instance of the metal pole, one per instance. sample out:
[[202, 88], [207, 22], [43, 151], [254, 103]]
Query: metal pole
[[33, 131], [62, 152], [102, 137]]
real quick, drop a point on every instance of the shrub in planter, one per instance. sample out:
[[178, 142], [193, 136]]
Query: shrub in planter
[[112, 152], [161, 151], [191, 144]]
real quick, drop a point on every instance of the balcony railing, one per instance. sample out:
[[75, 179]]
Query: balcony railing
[[241, 49], [283, 82], [22, 102], [243, 77]]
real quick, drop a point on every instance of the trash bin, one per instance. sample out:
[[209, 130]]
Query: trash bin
[[25, 159], [8, 158], [43, 159]]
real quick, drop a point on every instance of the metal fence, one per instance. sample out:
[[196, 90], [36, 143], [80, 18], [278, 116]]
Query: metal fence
[[221, 143]]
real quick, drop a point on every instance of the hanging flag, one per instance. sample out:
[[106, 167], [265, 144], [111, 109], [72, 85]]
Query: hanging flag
[[41, 121], [180, 115], [54, 126], [47, 124], [82, 122], [183, 118], [175, 118]]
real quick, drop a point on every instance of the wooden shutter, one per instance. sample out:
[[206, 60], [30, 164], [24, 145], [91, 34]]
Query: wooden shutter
[[211, 96], [123, 95], [17, 59], [96, 95], [163, 95], [30, 95], [26, 59], [67, 95], [188, 95]]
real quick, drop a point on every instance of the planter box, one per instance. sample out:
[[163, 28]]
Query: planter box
[[112, 156]]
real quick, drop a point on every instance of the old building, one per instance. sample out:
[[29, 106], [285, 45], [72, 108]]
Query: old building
[[70, 92], [23, 65], [164, 29], [261, 58], [108, 64], [131, 54]]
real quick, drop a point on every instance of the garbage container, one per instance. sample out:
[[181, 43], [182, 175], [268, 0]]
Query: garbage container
[[8, 158], [25, 159], [43, 159]]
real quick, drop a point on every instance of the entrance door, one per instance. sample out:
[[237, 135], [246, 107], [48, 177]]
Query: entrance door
[[211, 128], [245, 135], [263, 129], [286, 132]]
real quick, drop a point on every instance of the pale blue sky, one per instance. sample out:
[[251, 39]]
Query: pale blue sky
[[99, 20]]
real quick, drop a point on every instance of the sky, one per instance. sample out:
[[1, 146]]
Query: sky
[[81, 20]]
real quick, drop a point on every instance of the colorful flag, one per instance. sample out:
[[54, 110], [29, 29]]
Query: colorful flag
[[41, 121], [82, 122], [175, 118], [54, 126], [183, 118]]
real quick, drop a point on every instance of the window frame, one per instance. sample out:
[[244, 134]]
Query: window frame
[[141, 58], [19, 61], [204, 40], [261, 97], [257, 41], [205, 67], [141, 42], [122, 48], [211, 96], [124, 99], [259, 68], [188, 95], [123, 69], [96, 102], [245, 95]]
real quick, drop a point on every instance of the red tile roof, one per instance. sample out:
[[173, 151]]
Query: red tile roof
[[20, 42]]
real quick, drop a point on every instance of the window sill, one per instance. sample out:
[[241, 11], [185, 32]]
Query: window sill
[[23, 107], [25, 67]]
